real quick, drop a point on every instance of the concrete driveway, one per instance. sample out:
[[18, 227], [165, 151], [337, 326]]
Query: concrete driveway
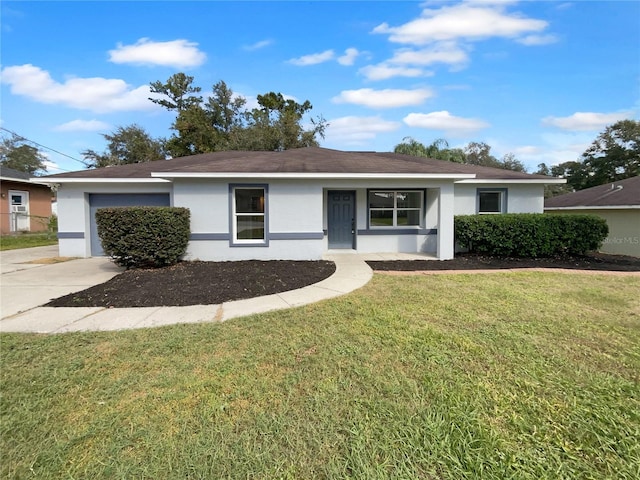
[[27, 282], [29, 278]]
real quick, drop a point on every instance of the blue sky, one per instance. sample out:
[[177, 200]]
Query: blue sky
[[537, 79]]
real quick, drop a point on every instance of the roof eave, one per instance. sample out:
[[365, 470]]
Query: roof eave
[[58, 180], [23, 180], [543, 181], [315, 175]]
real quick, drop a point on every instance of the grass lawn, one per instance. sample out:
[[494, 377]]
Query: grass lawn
[[508, 375], [26, 240]]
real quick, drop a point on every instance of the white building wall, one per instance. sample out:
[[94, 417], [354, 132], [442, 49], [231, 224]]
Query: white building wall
[[297, 215], [219, 250], [73, 219], [521, 198], [446, 208], [74, 216], [208, 202], [526, 199], [294, 216], [295, 206]]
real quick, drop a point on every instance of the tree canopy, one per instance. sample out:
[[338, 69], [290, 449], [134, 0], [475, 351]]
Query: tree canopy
[[177, 91], [223, 122], [131, 144], [613, 155], [15, 153], [474, 153]]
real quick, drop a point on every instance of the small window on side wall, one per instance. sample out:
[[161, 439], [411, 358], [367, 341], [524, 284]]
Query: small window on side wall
[[492, 201], [249, 217]]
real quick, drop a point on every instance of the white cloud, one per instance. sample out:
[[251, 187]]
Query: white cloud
[[384, 71], [51, 167], [444, 52], [585, 121], [349, 57], [96, 94], [526, 150], [531, 40], [176, 53], [453, 126], [388, 98], [564, 6], [467, 21], [357, 130], [313, 59], [258, 45], [82, 126], [553, 149]]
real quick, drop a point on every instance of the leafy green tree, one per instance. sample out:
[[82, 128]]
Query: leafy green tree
[[438, 149], [177, 90], [474, 153], [223, 123], [410, 146], [613, 155], [130, 144], [276, 124], [225, 108], [510, 162], [552, 190], [195, 133], [18, 155], [479, 153]]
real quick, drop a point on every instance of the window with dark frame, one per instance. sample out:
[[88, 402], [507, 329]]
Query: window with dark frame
[[491, 201], [395, 208]]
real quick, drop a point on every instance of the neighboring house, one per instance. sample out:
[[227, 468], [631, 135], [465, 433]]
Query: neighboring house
[[25, 202], [618, 203], [298, 204]]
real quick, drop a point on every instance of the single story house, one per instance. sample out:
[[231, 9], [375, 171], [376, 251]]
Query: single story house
[[618, 203], [298, 204], [25, 202]]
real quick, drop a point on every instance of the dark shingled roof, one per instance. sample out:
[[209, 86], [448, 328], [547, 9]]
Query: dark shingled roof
[[300, 160], [11, 173], [623, 192]]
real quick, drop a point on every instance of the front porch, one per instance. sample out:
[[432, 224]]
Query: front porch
[[390, 222]]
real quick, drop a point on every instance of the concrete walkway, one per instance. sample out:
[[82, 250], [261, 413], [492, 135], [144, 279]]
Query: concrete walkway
[[25, 286]]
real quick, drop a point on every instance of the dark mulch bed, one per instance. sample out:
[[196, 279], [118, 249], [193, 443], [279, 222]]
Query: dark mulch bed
[[210, 283], [596, 261], [199, 283]]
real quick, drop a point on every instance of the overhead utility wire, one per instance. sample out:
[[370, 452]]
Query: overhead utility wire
[[43, 146]]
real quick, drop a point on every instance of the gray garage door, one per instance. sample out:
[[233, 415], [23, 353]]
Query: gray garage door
[[101, 200]]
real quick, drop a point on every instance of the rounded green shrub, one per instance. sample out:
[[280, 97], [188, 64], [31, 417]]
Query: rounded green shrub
[[143, 237], [530, 234]]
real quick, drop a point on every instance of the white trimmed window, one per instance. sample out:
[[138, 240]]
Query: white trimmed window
[[398, 208], [492, 201], [249, 218]]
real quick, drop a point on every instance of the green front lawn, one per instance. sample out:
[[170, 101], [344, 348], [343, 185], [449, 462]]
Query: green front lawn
[[509, 375], [27, 240]]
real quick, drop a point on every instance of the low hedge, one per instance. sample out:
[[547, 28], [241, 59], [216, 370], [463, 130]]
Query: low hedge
[[530, 234], [136, 237]]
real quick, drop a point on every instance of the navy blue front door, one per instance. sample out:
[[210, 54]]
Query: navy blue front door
[[341, 218]]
